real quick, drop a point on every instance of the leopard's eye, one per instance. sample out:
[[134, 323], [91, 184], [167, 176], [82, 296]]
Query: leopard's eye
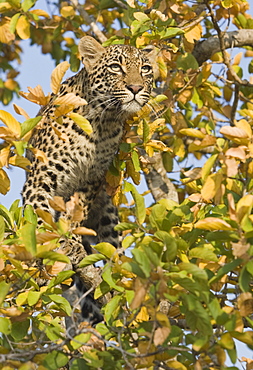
[[114, 67], [146, 68]]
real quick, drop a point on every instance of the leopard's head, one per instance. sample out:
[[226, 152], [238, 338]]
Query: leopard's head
[[121, 76]]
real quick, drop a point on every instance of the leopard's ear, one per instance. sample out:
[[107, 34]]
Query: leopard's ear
[[90, 51]]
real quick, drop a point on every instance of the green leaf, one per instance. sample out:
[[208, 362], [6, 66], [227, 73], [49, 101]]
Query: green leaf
[[245, 279], [33, 297], [107, 249], [61, 302], [29, 124], [135, 160], [140, 210], [22, 298], [203, 252], [80, 340], [63, 275], [187, 61], [2, 228], [125, 226], [27, 4], [107, 277], [91, 259], [134, 268], [4, 289], [30, 215], [142, 261], [13, 22], [53, 256], [225, 269], [19, 329], [170, 244], [6, 215], [29, 238], [5, 325], [170, 32], [112, 308], [55, 360]]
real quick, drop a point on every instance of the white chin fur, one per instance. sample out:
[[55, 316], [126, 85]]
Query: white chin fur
[[131, 107]]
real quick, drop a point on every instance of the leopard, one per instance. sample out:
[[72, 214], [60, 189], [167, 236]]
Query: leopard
[[116, 82]]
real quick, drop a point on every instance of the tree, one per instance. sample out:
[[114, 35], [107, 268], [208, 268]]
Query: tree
[[184, 294]]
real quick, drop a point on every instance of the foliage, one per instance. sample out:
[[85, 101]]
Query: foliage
[[184, 293]]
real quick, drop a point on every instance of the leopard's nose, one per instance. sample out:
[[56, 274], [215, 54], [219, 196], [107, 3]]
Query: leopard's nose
[[134, 88]]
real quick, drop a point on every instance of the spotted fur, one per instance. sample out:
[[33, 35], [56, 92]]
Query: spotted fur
[[116, 82]]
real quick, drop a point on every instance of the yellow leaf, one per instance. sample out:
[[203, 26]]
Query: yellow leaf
[[57, 75], [6, 37], [40, 13], [193, 33], [70, 99], [82, 122], [19, 161], [238, 58], [67, 11], [236, 134], [211, 186], [212, 223], [244, 207], [245, 126], [157, 144], [4, 182], [4, 155], [35, 95], [10, 122], [5, 6], [23, 28], [192, 132]]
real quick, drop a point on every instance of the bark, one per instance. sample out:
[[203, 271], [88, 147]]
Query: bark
[[204, 50]]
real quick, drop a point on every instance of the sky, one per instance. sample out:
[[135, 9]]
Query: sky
[[36, 69]]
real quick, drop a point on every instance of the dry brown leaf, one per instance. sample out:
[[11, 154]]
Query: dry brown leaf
[[58, 204], [232, 167], [238, 152], [70, 99], [40, 155], [57, 75], [45, 237], [20, 111], [35, 95], [46, 216], [240, 249], [160, 335], [6, 36], [74, 209], [140, 293], [84, 231], [245, 304]]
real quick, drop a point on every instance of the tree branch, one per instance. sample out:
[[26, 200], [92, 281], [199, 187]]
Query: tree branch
[[234, 39]]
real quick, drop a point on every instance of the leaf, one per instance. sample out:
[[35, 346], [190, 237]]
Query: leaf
[[2, 228], [55, 360], [106, 249], [33, 297], [57, 75], [35, 95], [235, 133], [29, 124], [19, 161], [212, 186], [140, 210], [29, 238], [192, 132], [84, 231], [23, 28], [170, 244], [53, 256], [61, 303], [108, 278], [27, 4], [82, 122], [244, 207], [20, 111], [61, 277], [160, 335], [112, 308], [13, 22], [212, 223], [10, 122], [79, 340], [91, 259], [4, 182], [5, 325], [4, 289]]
